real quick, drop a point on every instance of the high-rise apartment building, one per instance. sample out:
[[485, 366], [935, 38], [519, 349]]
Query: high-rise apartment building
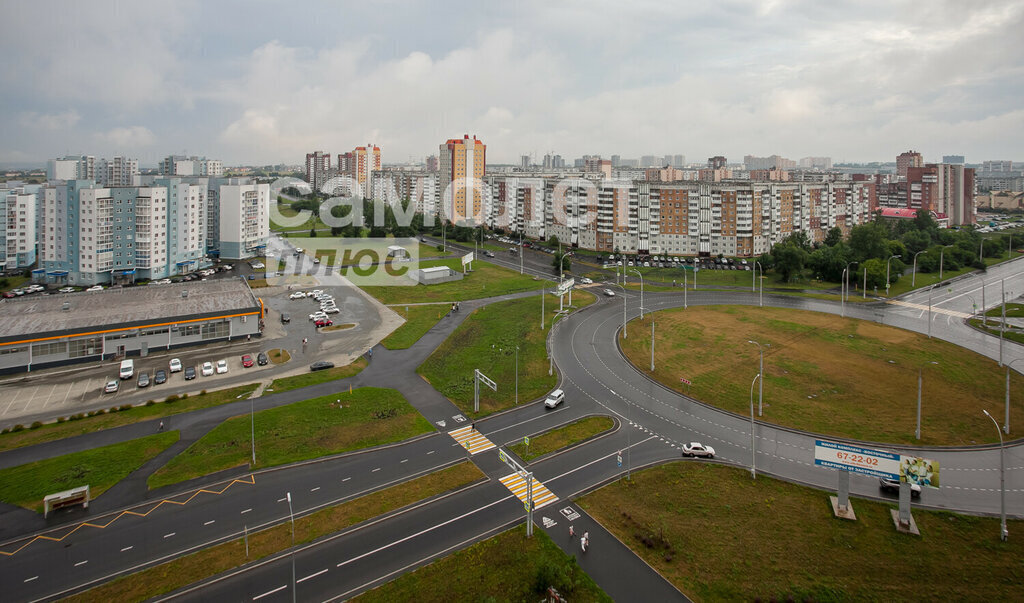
[[815, 163], [766, 163], [180, 165], [463, 162], [956, 159], [432, 164], [907, 160], [365, 160], [119, 171], [18, 229], [243, 218], [946, 189], [318, 164], [717, 162], [1002, 165]]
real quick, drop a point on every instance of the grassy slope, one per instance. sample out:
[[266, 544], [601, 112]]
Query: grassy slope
[[312, 378], [419, 320], [486, 280]]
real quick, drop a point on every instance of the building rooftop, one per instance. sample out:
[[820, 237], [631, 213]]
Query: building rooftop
[[116, 308]]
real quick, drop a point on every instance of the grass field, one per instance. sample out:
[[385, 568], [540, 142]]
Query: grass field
[[486, 340], [486, 280], [58, 431], [507, 567], [563, 437], [418, 320], [825, 374], [211, 561], [99, 468], [279, 356], [313, 378], [310, 429], [720, 536]]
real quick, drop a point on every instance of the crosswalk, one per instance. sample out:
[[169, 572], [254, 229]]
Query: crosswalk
[[517, 485], [924, 307], [471, 439]]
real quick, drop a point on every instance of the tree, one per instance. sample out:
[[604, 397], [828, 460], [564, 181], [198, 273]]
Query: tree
[[876, 272], [312, 232], [789, 257], [834, 236], [563, 259], [915, 241], [868, 241], [553, 241], [828, 263]]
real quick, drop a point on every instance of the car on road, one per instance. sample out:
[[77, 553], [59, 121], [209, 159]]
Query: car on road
[[554, 399], [320, 365], [323, 322], [174, 365], [698, 449], [298, 250], [143, 380], [285, 318], [297, 295], [222, 367], [262, 359], [95, 288], [207, 369], [160, 377], [9, 294], [190, 373], [609, 293], [886, 484], [586, 281], [247, 361], [489, 254], [111, 386]]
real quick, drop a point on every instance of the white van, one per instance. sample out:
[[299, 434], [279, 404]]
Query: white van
[[127, 369], [554, 399]]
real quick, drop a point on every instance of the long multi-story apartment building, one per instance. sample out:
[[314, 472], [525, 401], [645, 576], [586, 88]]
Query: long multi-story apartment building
[[18, 230], [180, 165], [119, 171], [318, 164]]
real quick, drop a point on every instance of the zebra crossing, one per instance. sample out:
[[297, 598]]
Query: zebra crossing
[[935, 310], [471, 439], [517, 485]]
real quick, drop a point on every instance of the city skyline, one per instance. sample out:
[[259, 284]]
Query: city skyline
[[856, 83]]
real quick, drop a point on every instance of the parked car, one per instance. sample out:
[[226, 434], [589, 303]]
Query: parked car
[[262, 359], [160, 377], [111, 386], [222, 367], [143, 380], [190, 373], [9, 294], [318, 315], [207, 369], [66, 290], [320, 365], [331, 309], [893, 485], [247, 361], [586, 281], [285, 318], [698, 449], [323, 322], [297, 295], [174, 365], [95, 288]]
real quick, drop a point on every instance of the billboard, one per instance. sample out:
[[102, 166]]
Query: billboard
[[467, 258], [877, 463]]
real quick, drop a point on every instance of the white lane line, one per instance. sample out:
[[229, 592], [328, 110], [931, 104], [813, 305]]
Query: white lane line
[[17, 392], [70, 387], [81, 563], [375, 470], [209, 522], [315, 489], [169, 535], [127, 548], [270, 592], [404, 461], [49, 395], [431, 452], [323, 571], [282, 499], [245, 511], [31, 579]]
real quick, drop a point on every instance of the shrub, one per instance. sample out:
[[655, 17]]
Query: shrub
[[171, 398], [61, 419], [36, 425], [150, 402], [18, 427], [126, 407], [202, 392], [114, 409], [4, 430], [183, 396]]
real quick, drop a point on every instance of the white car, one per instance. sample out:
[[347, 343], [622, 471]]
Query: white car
[[207, 369], [222, 367], [95, 288], [175, 365], [66, 290], [315, 292], [698, 449], [609, 293], [297, 295], [318, 315], [298, 250], [330, 310], [586, 281]]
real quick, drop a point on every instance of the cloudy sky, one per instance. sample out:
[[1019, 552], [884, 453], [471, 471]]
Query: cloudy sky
[[260, 82]]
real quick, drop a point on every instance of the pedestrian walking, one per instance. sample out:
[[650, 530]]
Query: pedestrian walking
[[161, 427], [572, 532]]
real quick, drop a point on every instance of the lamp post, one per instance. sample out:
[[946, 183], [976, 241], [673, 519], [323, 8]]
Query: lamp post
[[864, 289], [1006, 421], [520, 251], [252, 424], [641, 291], [920, 378], [887, 267], [913, 277], [652, 345], [292, 516], [623, 309], [517, 375], [1003, 534], [684, 288], [760, 295], [753, 450], [847, 281], [942, 253], [760, 371]]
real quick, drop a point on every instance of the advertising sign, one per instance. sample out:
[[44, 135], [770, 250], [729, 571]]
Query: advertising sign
[[877, 463], [920, 471], [467, 258], [565, 285]]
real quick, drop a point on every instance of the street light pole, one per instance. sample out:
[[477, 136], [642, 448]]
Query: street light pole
[[760, 295], [623, 309], [864, 290], [760, 371], [1003, 533], [942, 253], [847, 277], [520, 251], [753, 450], [292, 516], [920, 378], [913, 278], [641, 292], [887, 267], [652, 345], [1006, 421], [517, 375], [252, 423], [684, 288]]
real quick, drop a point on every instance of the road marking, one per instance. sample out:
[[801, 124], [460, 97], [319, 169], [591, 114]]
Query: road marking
[[471, 439], [269, 592], [49, 395], [209, 522], [282, 499], [31, 579], [169, 535], [431, 452], [127, 548], [346, 479], [375, 470], [403, 461], [323, 571], [315, 489], [245, 511], [81, 563], [17, 392], [517, 485], [70, 387]]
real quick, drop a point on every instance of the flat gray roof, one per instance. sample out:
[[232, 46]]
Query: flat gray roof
[[37, 314]]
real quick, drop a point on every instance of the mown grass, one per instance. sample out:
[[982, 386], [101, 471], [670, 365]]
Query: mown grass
[[486, 340], [418, 320], [99, 468], [826, 374], [314, 378], [507, 567], [720, 536], [108, 420], [993, 329], [310, 429], [279, 356], [486, 280], [1012, 311], [208, 562], [562, 437]]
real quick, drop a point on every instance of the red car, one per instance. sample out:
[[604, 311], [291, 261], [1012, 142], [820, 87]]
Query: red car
[[324, 322], [247, 361], [8, 295]]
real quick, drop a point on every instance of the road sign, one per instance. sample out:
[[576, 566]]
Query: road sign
[[619, 458], [501, 456], [564, 286], [684, 380], [526, 440]]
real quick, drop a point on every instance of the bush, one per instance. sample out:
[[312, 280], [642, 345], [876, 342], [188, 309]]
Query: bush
[[202, 392], [4, 430], [171, 398], [126, 407], [36, 425], [114, 409], [183, 396], [18, 427], [150, 402], [61, 419]]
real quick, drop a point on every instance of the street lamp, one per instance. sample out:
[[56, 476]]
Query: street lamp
[[920, 378], [292, 516], [913, 278], [760, 371], [252, 422], [941, 254], [623, 309], [753, 450], [760, 296], [1003, 534], [845, 289], [887, 266], [1006, 423], [641, 291], [520, 252]]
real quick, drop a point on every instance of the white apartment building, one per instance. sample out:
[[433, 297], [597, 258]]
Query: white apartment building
[[18, 231], [244, 218]]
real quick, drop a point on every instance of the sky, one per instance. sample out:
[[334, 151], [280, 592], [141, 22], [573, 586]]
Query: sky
[[261, 82]]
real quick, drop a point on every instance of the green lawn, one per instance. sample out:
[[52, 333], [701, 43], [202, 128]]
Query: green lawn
[[993, 329], [99, 468], [562, 437], [486, 340], [720, 536], [12, 282], [108, 420], [825, 374], [310, 429], [418, 320], [313, 378], [507, 567], [1012, 311], [486, 280]]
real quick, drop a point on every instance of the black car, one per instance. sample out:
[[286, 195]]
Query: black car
[[160, 377], [143, 380], [285, 317], [320, 365], [190, 373], [262, 358]]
